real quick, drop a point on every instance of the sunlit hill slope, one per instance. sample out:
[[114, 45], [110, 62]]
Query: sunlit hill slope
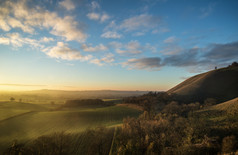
[[221, 84]]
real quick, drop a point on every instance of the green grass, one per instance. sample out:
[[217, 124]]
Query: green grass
[[32, 121]]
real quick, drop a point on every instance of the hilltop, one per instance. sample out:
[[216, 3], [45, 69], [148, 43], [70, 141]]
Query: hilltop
[[221, 84]]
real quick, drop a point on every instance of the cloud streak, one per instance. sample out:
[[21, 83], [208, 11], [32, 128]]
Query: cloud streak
[[143, 21], [151, 63], [97, 48], [111, 34], [194, 59]]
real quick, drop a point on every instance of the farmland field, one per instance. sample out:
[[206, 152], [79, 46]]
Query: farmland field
[[24, 121]]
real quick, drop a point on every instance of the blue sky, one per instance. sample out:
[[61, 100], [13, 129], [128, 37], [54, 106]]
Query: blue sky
[[110, 44]]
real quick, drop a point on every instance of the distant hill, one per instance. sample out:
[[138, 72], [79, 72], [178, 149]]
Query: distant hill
[[221, 84], [60, 96]]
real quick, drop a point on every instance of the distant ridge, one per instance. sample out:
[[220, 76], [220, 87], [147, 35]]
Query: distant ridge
[[221, 84]]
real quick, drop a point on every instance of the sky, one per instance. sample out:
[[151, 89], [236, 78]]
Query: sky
[[113, 44]]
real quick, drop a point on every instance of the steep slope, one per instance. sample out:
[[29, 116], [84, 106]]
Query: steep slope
[[221, 84]]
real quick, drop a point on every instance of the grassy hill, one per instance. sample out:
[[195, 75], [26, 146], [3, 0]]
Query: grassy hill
[[221, 84], [24, 121], [228, 108], [12, 109]]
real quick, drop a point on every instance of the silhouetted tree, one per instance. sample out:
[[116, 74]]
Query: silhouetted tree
[[234, 64], [52, 103], [12, 99]]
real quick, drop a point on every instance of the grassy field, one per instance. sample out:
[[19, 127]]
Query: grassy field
[[23, 121]]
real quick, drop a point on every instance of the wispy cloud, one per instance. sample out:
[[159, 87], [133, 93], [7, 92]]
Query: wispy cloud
[[143, 21], [4, 41], [97, 48], [94, 5], [151, 63], [107, 59], [62, 51], [133, 47], [171, 39], [111, 34], [93, 16], [67, 4], [96, 13], [102, 17], [47, 39], [16, 40], [138, 25], [115, 45], [206, 11]]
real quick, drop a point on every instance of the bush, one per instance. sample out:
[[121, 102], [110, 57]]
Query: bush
[[229, 144]]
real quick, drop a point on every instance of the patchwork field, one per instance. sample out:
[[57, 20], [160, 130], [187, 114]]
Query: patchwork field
[[23, 121]]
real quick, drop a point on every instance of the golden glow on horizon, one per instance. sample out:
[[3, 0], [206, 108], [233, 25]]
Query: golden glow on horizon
[[24, 87]]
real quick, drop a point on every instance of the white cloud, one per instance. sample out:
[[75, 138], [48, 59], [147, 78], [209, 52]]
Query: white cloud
[[109, 59], [97, 16], [111, 34], [67, 4], [143, 21], [97, 62], [16, 40], [97, 48], [170, 40], [4, 41], [119, 51], [62, 51], [19, 15], [93, 16], [67, 28], [3, 25], [46, 39]]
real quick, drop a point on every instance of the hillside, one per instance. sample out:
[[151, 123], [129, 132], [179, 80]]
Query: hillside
[[229, 107], [221, 84]]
